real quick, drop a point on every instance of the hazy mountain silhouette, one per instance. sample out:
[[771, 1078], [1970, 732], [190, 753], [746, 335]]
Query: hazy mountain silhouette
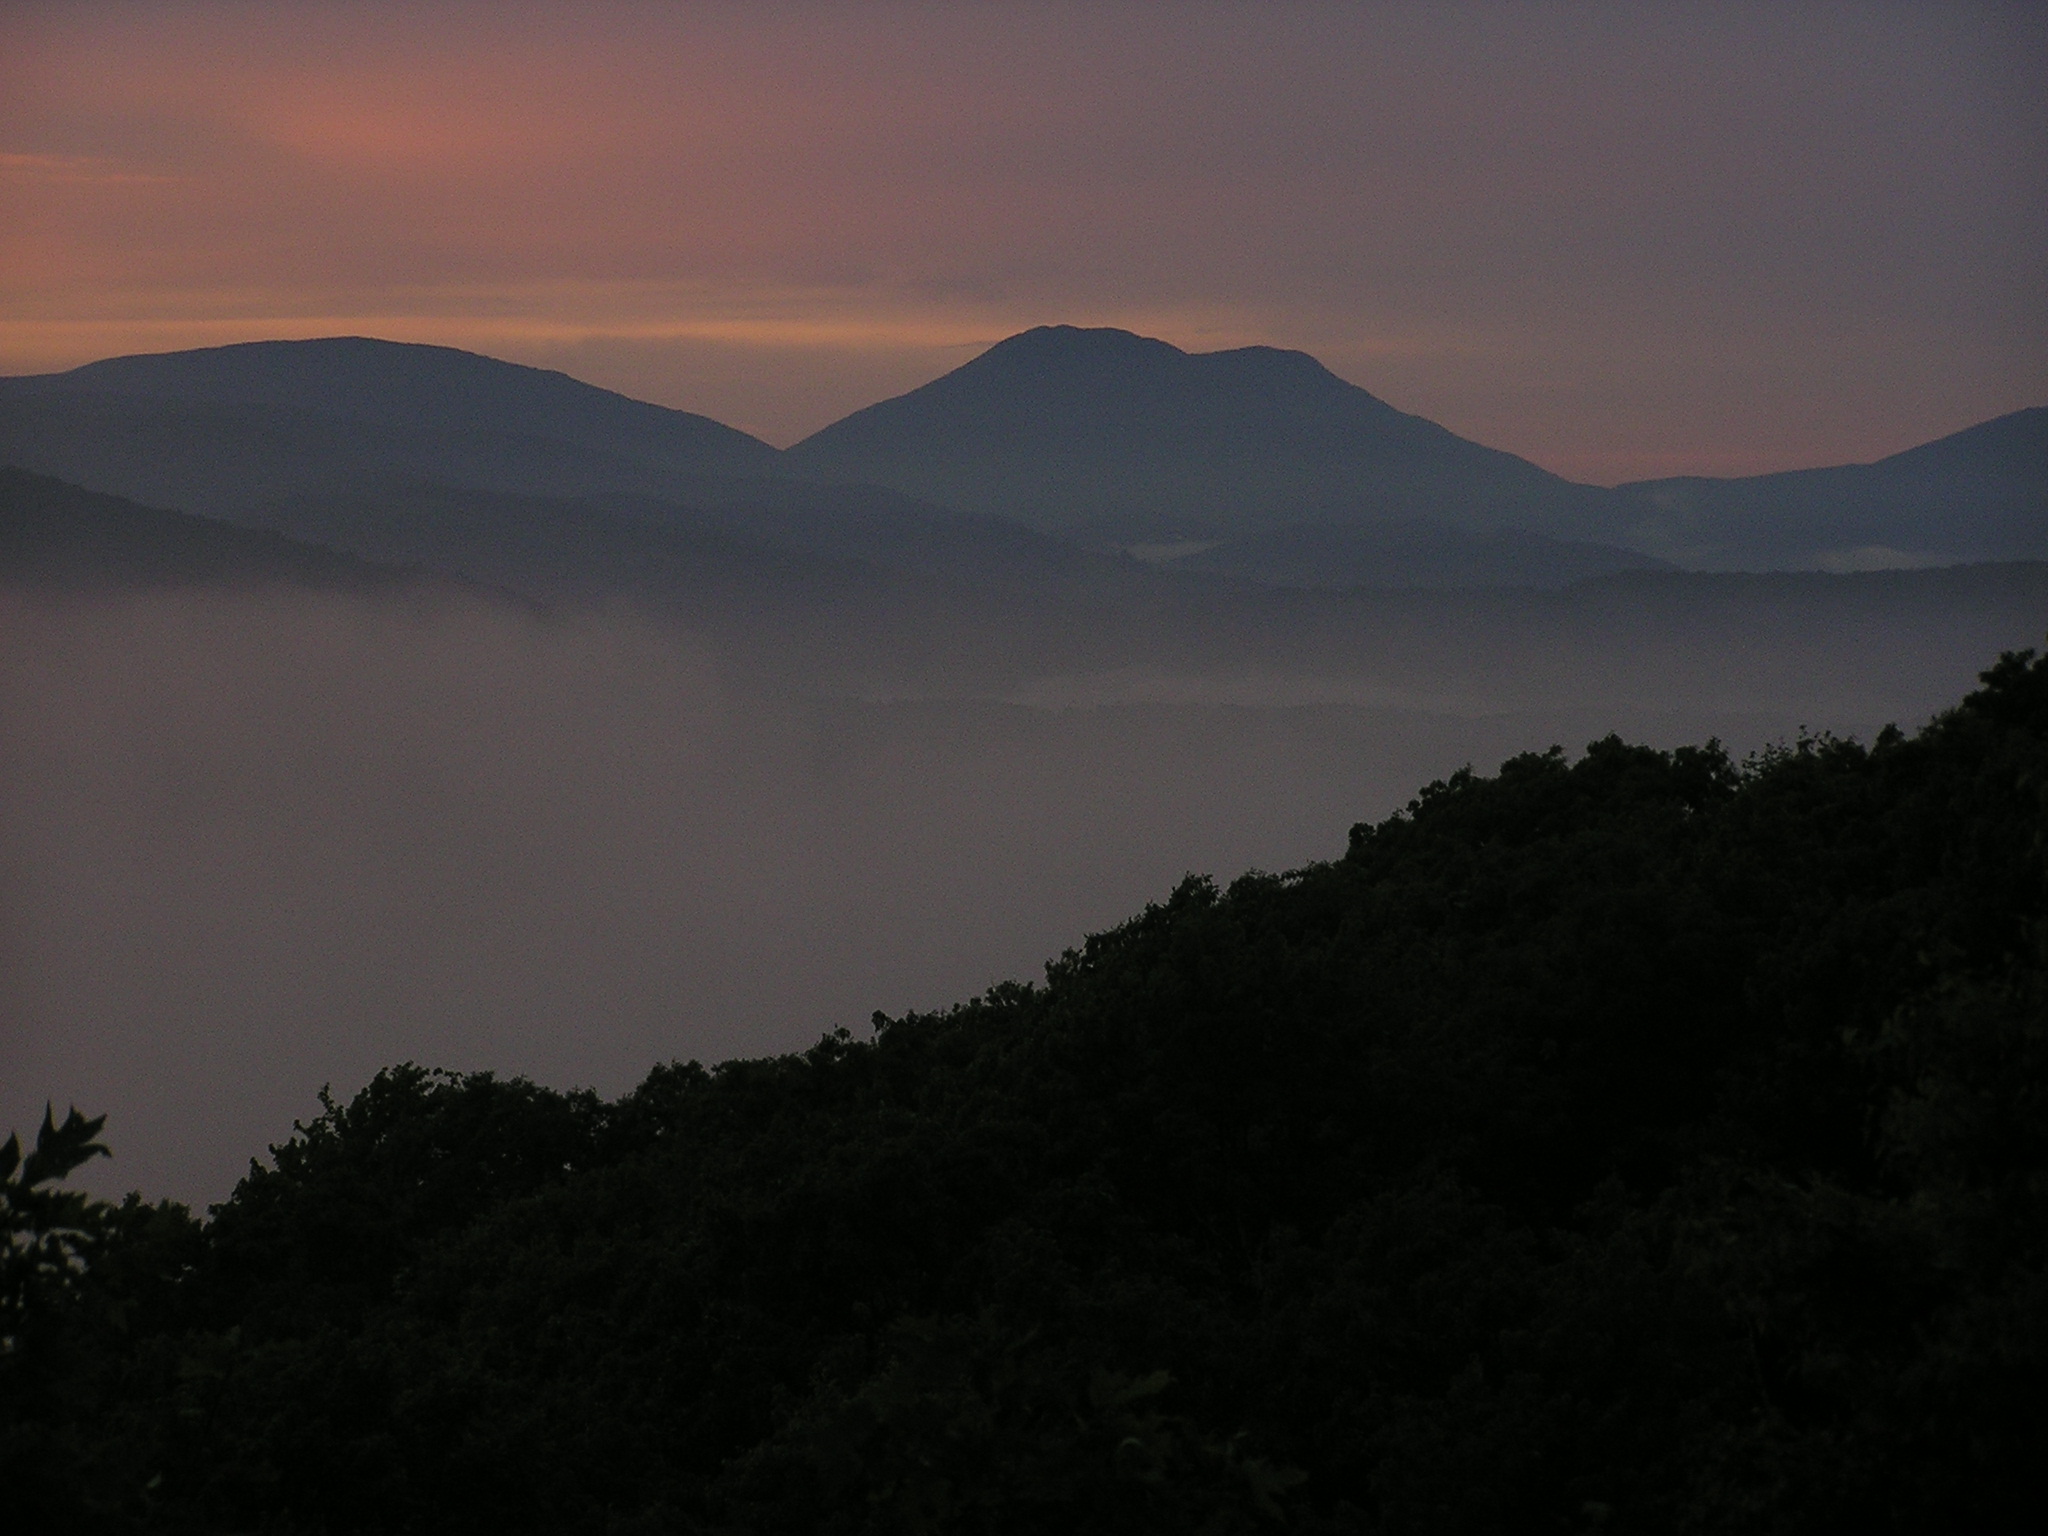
[[420, 391], [1106, 634], [1086, 436], [1124, 436], [876, 527], [1979, 494], [942, 600], [1409, 554], [51, 532], [235, 431], [496, 471], [752, 566]]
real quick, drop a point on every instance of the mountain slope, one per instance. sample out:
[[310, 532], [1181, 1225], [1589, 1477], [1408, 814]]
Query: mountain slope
[[425, 453], [1098, 433], [1065, 428], [1978, 494], [880, 528], [419, 390], [235, 432], [54, 532], [1410, 554]]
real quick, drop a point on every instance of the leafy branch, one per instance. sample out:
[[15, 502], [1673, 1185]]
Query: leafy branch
[[45, 1233]]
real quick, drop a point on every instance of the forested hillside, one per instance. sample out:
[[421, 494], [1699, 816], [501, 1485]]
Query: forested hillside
[[1641, 1142]]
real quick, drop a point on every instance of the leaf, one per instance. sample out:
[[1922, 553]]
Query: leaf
[[61, 1148]]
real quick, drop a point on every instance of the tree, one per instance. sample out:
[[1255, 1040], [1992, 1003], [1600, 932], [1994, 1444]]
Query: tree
[[48, 1233]]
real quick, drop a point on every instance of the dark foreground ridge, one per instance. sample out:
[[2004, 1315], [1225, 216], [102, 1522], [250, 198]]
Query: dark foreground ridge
[[1641, 1143]]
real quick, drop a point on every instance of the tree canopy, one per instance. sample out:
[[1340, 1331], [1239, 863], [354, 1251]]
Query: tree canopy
[[1641, 1142]]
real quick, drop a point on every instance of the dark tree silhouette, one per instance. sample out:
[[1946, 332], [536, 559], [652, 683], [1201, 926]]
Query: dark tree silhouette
[[1641, 1142]]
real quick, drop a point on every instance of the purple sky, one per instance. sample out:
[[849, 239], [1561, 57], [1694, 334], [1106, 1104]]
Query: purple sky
[[1623, 240]]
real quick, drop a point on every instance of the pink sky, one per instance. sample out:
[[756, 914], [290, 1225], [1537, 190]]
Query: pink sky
[[1622, 240]]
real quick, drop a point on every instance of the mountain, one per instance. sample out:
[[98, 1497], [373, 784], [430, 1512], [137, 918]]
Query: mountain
[[881, 607], [54, 532], [1409, 554], [421, 388], [796, 549], [1126, 437], [1055, 437], [225, 431], [1979, 494], [468, 464], [803, 586], [867, 596], [418, 393]]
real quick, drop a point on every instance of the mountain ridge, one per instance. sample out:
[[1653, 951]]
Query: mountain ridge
[[54, 532], [1977, 494], [393, 383], [1092, 436]]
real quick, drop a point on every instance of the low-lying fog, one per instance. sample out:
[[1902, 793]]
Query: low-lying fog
[[251, 843]]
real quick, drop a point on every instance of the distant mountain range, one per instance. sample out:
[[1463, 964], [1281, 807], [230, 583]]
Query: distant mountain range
[[1979, 494], [1106, 433], [1253, 465], [865, 626]]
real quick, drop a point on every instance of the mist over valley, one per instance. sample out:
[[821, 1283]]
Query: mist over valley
[[466, 714], [1023, 770]]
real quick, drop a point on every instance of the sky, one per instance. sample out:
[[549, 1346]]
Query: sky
[[1624, 241]]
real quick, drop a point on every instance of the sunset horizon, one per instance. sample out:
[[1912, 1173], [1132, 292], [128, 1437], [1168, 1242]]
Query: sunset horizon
[[1645, 467], [1619, 243]]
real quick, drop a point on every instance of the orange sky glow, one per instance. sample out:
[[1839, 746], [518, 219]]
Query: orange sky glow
[[1622, 240]]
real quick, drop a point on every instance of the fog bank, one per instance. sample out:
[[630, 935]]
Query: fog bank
[[256, 841]]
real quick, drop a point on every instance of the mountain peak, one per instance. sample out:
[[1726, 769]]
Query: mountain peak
[[1078, 342], [1067, 427], [1076, 349]]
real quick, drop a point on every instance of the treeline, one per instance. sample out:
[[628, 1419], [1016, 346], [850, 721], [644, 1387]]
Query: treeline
[[1641, 1143]]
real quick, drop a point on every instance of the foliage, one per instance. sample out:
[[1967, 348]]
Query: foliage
[[46, 1233], [1645, 1142]]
